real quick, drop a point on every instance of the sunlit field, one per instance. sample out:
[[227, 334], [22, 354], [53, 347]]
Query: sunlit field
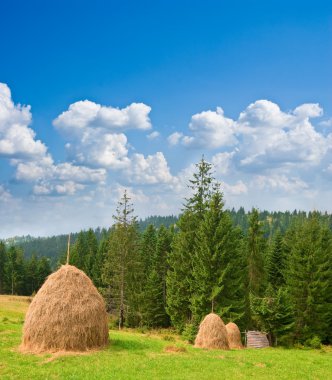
[[150, 355]]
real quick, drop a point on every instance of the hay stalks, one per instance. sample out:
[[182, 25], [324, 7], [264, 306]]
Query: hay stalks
[[212, 333], [67, 314], [234, 336]]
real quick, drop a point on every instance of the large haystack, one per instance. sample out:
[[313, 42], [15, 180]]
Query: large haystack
[[67, 314], [212, 333], [234, 335]]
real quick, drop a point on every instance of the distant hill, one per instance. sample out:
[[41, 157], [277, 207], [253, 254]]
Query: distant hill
[[53, 247]]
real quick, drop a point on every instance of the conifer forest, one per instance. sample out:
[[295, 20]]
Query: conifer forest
[[270, 271]]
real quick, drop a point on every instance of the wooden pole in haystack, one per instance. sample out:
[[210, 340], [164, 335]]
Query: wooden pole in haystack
[[68, 249]]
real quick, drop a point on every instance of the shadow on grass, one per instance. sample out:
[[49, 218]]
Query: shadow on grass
[[117, 344]]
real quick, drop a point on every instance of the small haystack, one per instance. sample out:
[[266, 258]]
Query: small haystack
[[67, 314], [212, 333], [234, 335]]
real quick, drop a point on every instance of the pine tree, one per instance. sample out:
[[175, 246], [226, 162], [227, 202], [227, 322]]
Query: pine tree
[[14, 271], [217, 268], [202, 186], [91, 253], [154, 311], [98, 263], [179, 276], [308, 279], [122, 269], [79, 251], [31, 275], [148, 248], [273, 314], [276, 264], [255, 255], [163, 248], [43, 270], [154, 291]]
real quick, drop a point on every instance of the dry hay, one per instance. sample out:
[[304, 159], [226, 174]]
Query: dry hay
[[212, 333], [67, 314], [175, 349], [234, 335]]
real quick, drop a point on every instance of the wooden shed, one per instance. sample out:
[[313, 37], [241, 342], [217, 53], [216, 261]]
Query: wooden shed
[[256, 339]]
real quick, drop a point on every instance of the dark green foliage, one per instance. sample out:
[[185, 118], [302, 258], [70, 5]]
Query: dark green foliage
[[157, 221], [154, 290], [122, 270], [32, 276], [273, 314], [202, 186], [214, 266], [55, 246], [256, 246], [309, 279], [163, 249], [148, 247], [180, 280], [18, 275], [276, 263], [154, 310], [14, 271], [98, 262], [179, 274]]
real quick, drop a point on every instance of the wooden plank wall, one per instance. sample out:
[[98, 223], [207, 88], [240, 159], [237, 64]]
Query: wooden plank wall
[[256, 339]]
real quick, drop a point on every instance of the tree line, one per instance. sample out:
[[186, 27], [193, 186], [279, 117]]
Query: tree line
[[53, 246], [271, 272], [19, 275]]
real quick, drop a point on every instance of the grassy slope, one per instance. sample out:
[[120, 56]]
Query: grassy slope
[[132, 355]]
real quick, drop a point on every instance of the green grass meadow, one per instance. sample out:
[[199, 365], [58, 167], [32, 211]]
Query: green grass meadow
[[157, 355]]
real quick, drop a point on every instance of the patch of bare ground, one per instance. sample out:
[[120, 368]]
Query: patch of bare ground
[[175, 349]]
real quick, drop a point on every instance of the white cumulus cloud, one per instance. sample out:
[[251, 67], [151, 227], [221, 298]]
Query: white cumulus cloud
[[93, 132], [271, 137], [65, 188], [86, 114], [152, 169], [16, 138], [210, 129]]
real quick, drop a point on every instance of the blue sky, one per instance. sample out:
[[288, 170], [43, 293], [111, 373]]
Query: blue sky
[[105, 95]]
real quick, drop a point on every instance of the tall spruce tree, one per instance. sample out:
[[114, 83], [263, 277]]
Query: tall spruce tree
[[153, 307], [154, 291], [91, 253], [180, 275], [213, 264], [14, 271], [273, 313], [31, 275], [163, 248], [79, 251], [276, 263], [43, 270], [308, 279], [148, 248], [122, 269], [98, 263], [255, 254]]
